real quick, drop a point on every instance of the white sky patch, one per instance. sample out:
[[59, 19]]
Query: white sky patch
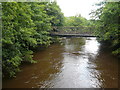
[[74, 7]]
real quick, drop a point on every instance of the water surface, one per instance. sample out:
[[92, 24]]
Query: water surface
[[77, 63]]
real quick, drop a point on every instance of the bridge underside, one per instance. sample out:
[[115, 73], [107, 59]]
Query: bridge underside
[[73, 35]]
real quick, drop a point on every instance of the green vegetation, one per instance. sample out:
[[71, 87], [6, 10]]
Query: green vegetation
[[106, 20], [79, 24], [77, 20], [26, 25]]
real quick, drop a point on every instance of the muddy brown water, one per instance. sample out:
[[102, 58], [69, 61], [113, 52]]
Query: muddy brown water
[[77, 63]]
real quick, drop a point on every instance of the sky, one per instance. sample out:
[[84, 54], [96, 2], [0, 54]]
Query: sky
[[74, 7]]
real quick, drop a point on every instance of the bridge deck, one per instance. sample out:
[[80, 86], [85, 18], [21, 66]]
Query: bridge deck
[[73, 35]]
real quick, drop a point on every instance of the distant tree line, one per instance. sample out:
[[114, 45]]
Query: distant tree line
[[77, 20]]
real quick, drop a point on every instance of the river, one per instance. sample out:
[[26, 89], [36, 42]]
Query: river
[[75, 63]]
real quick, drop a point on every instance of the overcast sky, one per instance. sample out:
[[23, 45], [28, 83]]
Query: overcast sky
[[73, 7]]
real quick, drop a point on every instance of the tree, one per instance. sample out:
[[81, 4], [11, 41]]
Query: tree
[[25, 25], [108, 25], [42, 22], [54, 12], [18, 31], [77, 20]]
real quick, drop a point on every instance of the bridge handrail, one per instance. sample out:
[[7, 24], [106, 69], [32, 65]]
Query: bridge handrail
[[72, 30]]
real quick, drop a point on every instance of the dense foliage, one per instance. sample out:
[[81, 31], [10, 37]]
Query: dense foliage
[[78, 24], [77, 20], [26, 25], [54, 12], [108, 24]]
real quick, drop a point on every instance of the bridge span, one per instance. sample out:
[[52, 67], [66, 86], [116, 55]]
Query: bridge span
[[73, 32], [73, 35]]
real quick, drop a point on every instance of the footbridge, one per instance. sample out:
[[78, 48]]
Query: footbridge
[[73, 31]]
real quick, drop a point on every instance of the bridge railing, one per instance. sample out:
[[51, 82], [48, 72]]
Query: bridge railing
[[72, 30]]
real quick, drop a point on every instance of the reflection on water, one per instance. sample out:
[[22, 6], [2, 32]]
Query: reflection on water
[[78, 63]]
